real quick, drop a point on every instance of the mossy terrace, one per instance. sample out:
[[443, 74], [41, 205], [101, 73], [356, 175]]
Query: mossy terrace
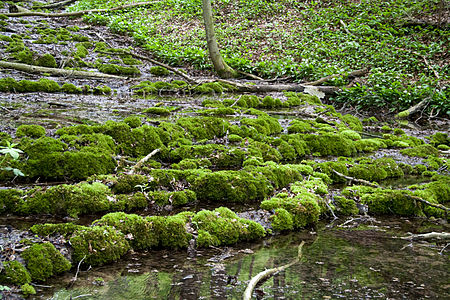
[[286, 154]]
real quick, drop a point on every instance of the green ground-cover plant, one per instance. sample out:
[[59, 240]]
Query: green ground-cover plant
[[306, 40], [9, 152]]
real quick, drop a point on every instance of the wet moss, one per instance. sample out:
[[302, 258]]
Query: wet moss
[[351, 135], [209, 88], [330, 144], [192, 163], [65, 229], [33, 131], [13, 272], [204, 127], [282, 220], [27, 290], [370, 145], [421, 151], [71, 89], [159, 71], [177, 198], [133, 121], [264, 124], [224, 227], [171, 231], [219, 155], [300, 126], [118, 70], [129, 203], [346, 207], [98, 245], [388, 202], [162, 111], [44, 261], [138, 231], [47, 60]]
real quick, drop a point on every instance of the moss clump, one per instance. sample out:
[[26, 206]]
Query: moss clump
[[346, 206], [47, 60], [387, 202], [162, 111], [440, 138], [133, 121], [65, 229], [27, 290], [25, 56], [131, 61], [302, 205], [138, 230], [159, 71], [98, 245], [81, 50], [71, 89], [171, 231], [83, 198], [300, 126], [218, 155], [13, 272], [99, 90], [224, 227], [330, 144], [264, 124], [177, 198], [282, 220], [43, 261], [204, 127], [33, 131], [351, 135], [421, 151], [119, 70], [209, 88], [352, 122]]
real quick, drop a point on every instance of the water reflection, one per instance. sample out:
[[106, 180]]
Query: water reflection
[[336, 264]]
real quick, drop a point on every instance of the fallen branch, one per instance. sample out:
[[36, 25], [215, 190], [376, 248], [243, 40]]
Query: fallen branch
[[75, 13], [266, 88], [436, 205], [262, 275], [250, 75], [428, 236], [142, 161], [57, 72], [362, 181], [55, 4], [72, 281], [178, 72], [413, 110], [356, 73]]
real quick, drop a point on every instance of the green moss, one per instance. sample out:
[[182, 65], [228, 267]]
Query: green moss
[[133, 121], [421, 151], [98, 245], [209, 88], [264, 124], [282, 220], [27, 289], [100, 90], [118, 70], [25, 56], [370, 145], [440, 138], [386, 128], [44, 261], [351, 135], [330, 144], [65, 229], [138, 230], [300, 126], [171, 231], [33, 131], [386, 202], [204, 127], [352, 122], [71, 89], [131, 61], [159, 71], [345, 206], [13, 272], [47, 60], [177, 198], [224, 227], [81, 50], [162, 111], [5, 38]]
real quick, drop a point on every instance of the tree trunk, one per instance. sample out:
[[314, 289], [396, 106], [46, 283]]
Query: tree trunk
[[222, 69]]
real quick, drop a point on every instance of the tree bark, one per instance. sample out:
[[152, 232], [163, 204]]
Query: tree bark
[[220, 66]]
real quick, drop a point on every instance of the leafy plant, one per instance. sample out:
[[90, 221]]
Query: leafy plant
[[13, 153]]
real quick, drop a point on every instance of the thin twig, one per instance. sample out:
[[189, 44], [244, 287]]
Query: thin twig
[[142, 161]]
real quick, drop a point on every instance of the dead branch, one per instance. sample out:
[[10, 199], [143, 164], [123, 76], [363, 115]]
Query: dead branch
[[436, 205], [357, 73], [413, 110], [55, 4], [262, 275], [250, 75], [428, 236], [266, 88], [362, 181], [142, 161], [178, 72], [75, 13], [57, 72]]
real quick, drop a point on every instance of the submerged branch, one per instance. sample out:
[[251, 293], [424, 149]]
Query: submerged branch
[[262, 275], [428, 236], [362, 181]]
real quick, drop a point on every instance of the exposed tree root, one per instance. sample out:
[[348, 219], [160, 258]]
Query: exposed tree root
[[72, 14], [428, 236], [262, 275], [413, 110], [436, 205], [357, 73], [57, 72]]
